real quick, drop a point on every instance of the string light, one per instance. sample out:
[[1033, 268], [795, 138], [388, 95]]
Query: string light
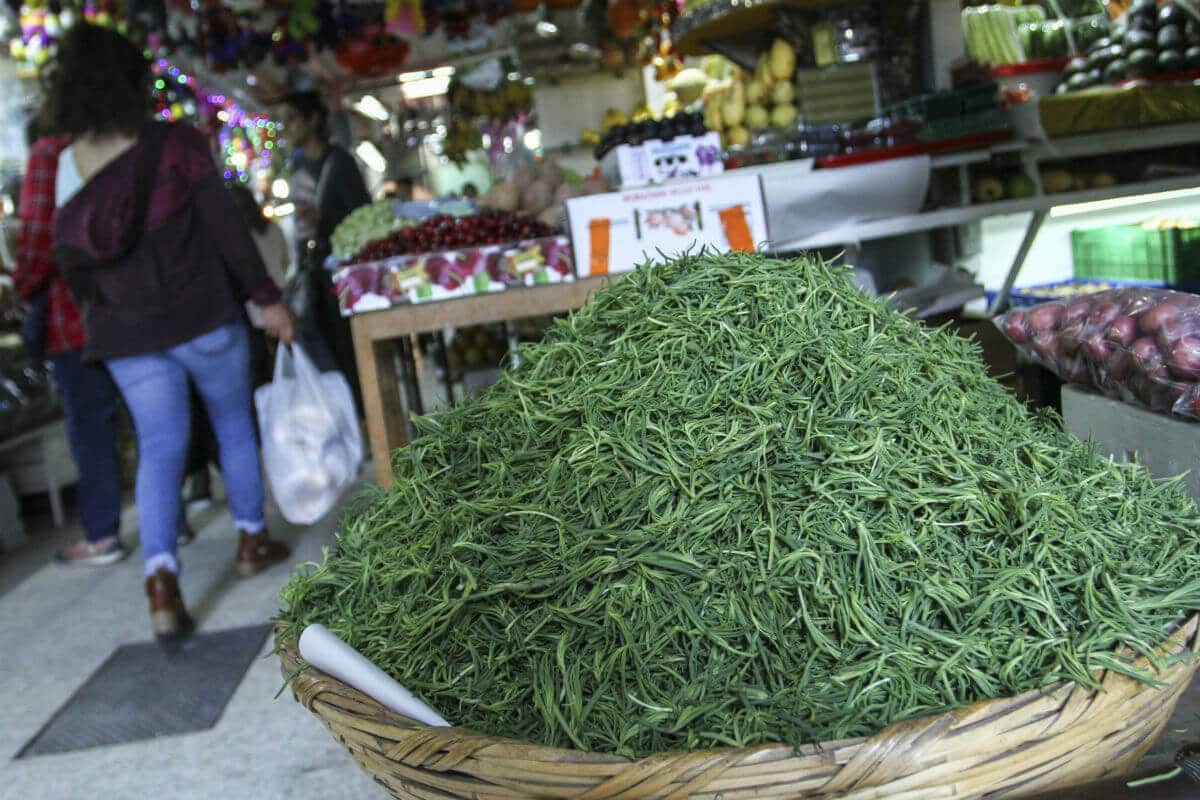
[[246, 140]]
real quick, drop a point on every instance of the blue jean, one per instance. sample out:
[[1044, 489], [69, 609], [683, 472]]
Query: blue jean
[[155, 387], [89, 402]]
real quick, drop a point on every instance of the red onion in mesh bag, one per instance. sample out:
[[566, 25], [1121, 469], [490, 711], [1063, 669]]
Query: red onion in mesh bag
[[1184, 361], [1014, 327], [1121, 331]]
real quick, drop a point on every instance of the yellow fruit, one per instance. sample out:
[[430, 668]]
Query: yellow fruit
[[988, 190], [738, 137], [689, 85], [784, 116], [757, 117], [1057, 180], [756, 93], [782, 60], [712, 113]]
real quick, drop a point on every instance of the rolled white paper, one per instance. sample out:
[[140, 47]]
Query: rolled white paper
[[325, 651]]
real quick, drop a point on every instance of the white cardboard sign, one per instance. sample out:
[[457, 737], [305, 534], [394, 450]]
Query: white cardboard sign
[[615, 232]]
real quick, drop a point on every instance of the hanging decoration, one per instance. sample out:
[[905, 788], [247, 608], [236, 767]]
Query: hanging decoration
[[43, 22], [656, 47], [247, 140]]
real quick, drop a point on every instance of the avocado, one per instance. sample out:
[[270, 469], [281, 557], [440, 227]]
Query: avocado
[[1144, 8], [1170, 37], [1081, 81], [1191, 31], [1095, 77], [1171, 14], [1138, 40], [1171, 61], [1115, 72], [1075, 66], [1143, 16], [1102, 58], [1143, 59], [1192, 57], [1100, 44]]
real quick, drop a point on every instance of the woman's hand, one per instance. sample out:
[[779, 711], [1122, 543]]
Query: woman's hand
[[278, 322]]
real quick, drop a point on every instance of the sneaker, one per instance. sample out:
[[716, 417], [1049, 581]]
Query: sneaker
[[92, 554]]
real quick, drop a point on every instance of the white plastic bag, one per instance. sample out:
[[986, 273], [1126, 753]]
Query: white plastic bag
[[312, 446]]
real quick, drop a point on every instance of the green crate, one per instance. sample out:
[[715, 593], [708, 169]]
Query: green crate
[[1132, 253]]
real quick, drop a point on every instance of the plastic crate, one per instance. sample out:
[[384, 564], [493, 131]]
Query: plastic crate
[[1131, 252], [1029, 296]]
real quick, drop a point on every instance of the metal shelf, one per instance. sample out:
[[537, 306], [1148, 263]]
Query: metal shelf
[[854, 232]]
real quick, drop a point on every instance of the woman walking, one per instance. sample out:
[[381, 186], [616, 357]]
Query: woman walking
[[160, 261]]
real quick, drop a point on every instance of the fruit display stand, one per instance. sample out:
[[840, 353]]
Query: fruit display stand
[[444, 275], [379, 337], [1033, 156]]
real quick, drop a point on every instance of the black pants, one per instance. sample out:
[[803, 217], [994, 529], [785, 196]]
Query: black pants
[[325, 333]]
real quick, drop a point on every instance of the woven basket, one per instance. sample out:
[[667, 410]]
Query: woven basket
[[1008, 748]]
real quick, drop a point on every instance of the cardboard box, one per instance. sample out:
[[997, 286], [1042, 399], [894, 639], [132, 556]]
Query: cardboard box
[[630, 166], [615, 232]]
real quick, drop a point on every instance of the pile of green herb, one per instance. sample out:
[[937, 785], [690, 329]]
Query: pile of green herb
[[733, 501]]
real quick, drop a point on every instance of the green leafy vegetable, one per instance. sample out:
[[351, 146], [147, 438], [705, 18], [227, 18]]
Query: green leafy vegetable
[[733, 500], [366, 224]]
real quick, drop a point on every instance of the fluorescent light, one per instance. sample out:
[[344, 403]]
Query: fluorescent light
[[411, 77], [426, 87], [280, 188], [370, 107], [283, 209], [371, 156], [1120, 202], [532, 139]]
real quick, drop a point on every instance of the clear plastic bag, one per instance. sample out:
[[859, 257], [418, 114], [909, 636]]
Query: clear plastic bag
[[1137, 345], [312, 445]]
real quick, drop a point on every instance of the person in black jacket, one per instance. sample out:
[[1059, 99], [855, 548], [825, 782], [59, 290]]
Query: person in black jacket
[[326, 187]]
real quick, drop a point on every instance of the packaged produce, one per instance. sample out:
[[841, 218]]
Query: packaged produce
[[735, 500], [1135, 344], [993, 32]]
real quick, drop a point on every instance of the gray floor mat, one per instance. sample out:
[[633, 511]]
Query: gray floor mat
[[145, 690]]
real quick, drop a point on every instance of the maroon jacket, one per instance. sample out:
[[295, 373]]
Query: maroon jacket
[[185, 273]]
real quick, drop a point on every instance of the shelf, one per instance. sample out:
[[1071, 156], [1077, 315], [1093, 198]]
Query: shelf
[[855, 232], [695, 31], [1120, 141]]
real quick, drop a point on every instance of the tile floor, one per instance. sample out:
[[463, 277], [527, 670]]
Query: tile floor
[[57, 625]]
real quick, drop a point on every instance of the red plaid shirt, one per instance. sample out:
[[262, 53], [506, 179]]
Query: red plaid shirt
[[35, 247]]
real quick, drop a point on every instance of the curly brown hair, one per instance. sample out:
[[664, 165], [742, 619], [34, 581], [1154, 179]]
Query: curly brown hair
[[99, 83]]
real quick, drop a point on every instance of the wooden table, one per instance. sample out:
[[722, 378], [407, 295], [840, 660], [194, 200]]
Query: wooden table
[[376, 335]]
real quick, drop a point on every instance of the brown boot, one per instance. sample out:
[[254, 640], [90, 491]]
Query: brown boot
[[168, 618], [259, 551]]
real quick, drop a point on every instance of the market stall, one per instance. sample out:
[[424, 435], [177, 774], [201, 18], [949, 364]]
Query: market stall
[[742, 524]]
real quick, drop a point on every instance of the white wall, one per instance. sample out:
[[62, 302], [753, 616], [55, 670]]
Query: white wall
[[1050, 258], [566, 108]]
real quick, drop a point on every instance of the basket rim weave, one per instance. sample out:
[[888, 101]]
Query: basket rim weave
[[393, 747]]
